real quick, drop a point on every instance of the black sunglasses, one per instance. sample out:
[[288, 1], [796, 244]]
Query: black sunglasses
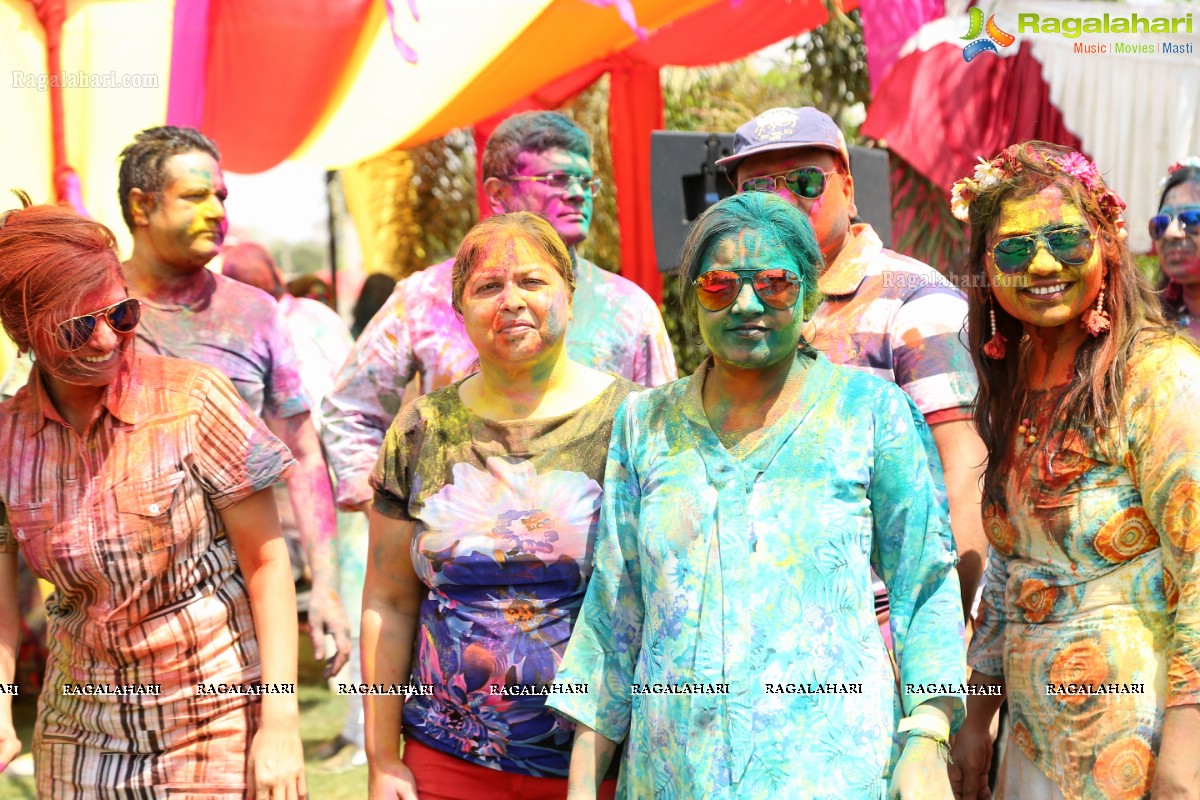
[[122, 317], [1188, 217], [805, 182]]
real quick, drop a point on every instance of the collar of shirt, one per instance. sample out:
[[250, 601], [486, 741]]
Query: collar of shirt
[[850, 267], [123, 399]]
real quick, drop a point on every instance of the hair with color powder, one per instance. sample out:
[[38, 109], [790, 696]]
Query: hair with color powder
[[531, 132], [1093, 399], [496, 231], [51, 258], [756, 211], [143, 161], [238, 261]]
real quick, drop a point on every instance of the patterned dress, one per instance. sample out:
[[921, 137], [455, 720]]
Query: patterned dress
[[506, 516], [148, 603], [615, 328], [1091, 608], [728, 634]]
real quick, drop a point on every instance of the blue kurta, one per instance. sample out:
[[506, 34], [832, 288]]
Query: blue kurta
[[743, 581]]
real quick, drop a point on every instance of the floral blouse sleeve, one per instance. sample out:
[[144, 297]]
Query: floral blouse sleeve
[[605, 643], [986, 654], [914, 553], [1162, 396], [393, 474]]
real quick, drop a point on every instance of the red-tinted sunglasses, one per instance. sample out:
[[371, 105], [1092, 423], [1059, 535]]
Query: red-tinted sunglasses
[[776, 288]]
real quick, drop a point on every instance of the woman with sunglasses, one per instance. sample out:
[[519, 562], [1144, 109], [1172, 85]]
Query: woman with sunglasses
[[1090, 620], [1176, 234], [728, 635], [140, 487]]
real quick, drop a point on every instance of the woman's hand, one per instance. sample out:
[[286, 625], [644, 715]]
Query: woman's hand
[[391, 780], [971, 756], [276, 764], [921, 773], [10, 745]]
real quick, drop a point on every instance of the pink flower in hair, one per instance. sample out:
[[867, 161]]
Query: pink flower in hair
[[1079, 167]]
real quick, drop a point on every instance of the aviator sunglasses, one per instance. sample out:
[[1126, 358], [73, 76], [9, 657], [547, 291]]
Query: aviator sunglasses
[[805, 182], [776, 288], [1188, 217], [122, 317], [1069, 245]]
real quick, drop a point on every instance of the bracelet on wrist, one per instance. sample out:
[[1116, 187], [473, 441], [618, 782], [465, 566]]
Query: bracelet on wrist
[[943, 746]]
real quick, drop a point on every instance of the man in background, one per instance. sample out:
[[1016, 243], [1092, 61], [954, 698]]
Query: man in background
[[883, 313], [172, 194]]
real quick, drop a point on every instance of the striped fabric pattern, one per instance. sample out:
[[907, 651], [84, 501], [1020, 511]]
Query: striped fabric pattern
[[123, 521], [899, 320]]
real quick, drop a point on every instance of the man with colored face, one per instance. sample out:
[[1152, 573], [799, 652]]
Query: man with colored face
[[539, 162], [172, 194], [882, 312]]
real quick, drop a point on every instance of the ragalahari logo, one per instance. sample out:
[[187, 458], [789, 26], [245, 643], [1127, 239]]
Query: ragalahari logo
[[984, 44]]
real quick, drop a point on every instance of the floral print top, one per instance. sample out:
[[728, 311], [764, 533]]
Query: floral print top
[[728, 635], [1094, 580], [506, 515]]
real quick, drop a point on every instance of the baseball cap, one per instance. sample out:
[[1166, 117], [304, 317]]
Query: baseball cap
[[786, 129]]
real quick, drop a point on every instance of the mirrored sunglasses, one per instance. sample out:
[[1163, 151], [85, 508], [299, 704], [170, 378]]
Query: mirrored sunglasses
[[122, 317], [1069, 245], [776, 288], [1188, 218], [805, 182]]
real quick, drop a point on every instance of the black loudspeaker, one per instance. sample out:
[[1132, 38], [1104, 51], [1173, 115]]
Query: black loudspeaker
[[684, 180]]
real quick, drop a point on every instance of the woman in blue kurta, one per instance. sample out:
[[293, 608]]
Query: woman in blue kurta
[[728, 634]]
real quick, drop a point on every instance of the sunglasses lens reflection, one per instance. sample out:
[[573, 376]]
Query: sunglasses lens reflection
[[1070, 246], [717, 289], [124, 316], [74, 333], [777, 288], [807, 182]]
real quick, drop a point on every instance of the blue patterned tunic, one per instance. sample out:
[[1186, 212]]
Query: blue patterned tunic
[[728, 629]]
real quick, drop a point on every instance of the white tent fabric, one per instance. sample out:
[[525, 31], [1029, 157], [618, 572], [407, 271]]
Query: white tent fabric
[[1135, 113]]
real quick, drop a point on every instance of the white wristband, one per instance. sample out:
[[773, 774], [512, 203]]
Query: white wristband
[[926, 723]]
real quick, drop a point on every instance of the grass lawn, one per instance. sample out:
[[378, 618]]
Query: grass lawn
[[321, 715]]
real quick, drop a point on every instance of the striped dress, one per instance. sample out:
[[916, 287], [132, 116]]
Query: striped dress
[[149, 610]]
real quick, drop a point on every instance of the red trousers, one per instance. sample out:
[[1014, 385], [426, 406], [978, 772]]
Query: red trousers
[[443, 777]]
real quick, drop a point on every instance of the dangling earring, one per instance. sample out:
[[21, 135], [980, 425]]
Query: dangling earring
[[996, 347], [1096, 321]]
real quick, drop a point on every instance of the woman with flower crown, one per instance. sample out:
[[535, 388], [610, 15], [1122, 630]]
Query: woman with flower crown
[[487, 499], [1090, 618]]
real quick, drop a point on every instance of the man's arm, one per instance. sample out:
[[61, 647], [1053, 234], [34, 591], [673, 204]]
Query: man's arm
[[963, 456], [367, 393], [312, 503]]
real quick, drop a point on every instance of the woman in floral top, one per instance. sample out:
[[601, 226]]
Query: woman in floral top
[[1090, 621], [487, 495], [729, 635]]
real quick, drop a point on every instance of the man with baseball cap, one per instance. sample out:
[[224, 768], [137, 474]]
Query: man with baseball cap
[[883, 313]]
